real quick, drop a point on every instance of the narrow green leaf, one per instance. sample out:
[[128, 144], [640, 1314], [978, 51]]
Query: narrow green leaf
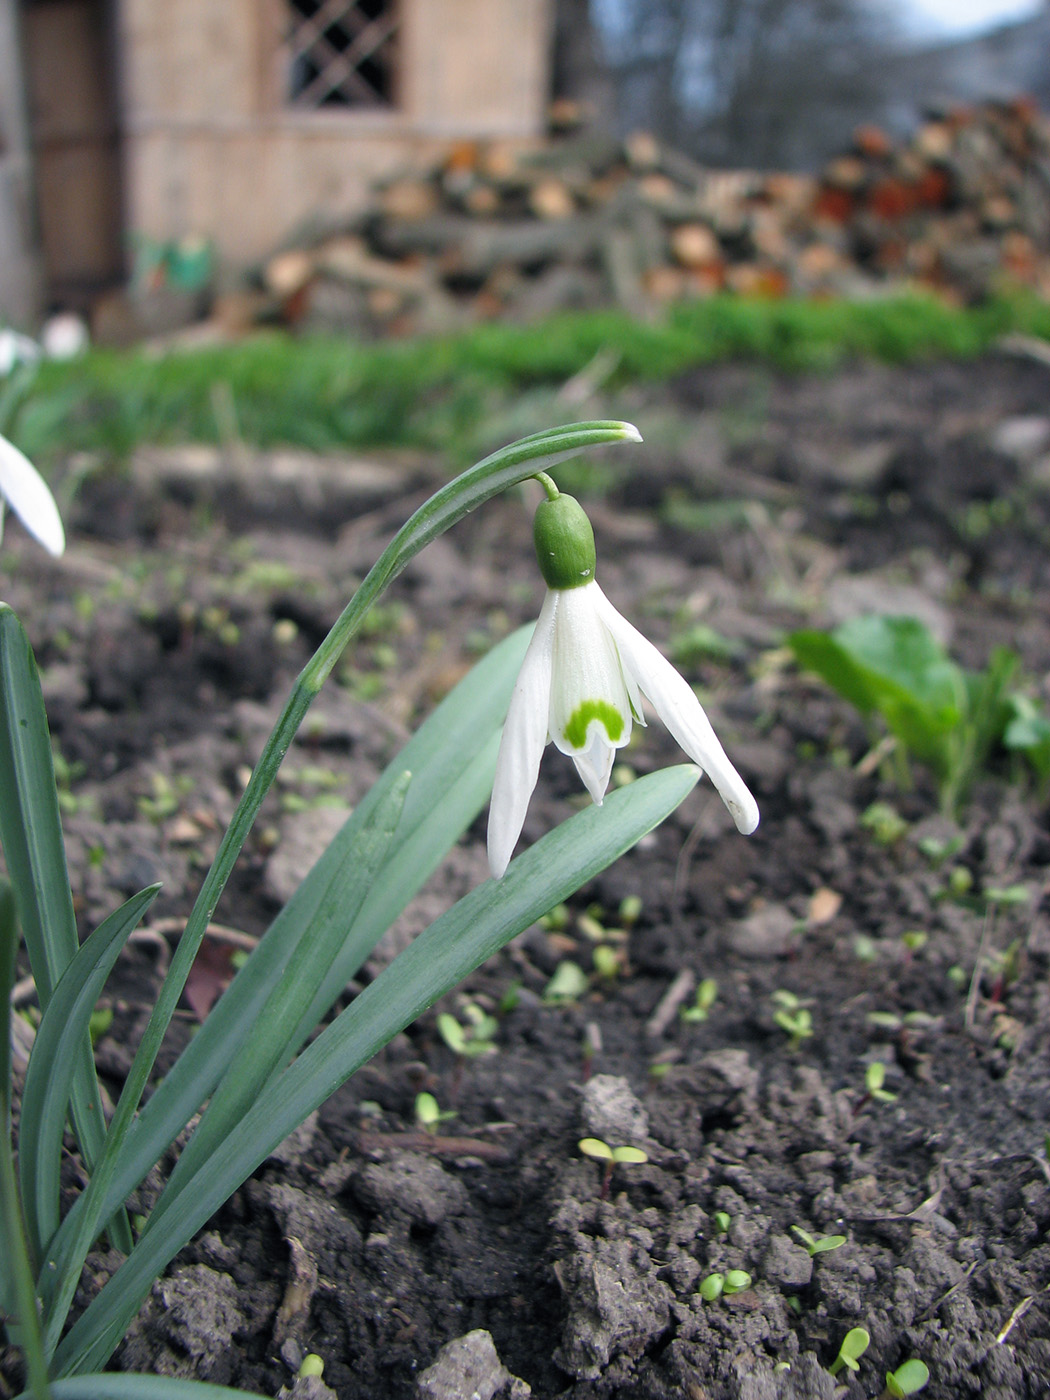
[[52, 1065], [273, 1039], [8, 953], [17, 1294], [127, 1385], [481, 923], [452, 756], [31, 836], [495, 473]]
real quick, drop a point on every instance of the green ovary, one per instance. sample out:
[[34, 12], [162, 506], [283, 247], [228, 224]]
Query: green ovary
[[608, 716]]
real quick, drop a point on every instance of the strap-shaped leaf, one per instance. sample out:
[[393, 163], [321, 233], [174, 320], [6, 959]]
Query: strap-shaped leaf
[[469, 490], [8, 950], [272, 1040], [126, 1385], [478, 926], [31, 835], [451, 756], [52, 1065]]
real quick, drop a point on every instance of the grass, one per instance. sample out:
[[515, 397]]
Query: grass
[[326, 394]]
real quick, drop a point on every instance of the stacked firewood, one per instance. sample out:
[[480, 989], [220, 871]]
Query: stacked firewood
[[586, 221]]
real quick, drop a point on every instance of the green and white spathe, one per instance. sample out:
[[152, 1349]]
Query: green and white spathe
[[581, 686]]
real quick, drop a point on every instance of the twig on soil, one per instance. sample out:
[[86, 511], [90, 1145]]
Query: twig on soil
[[970, 1269], [435, 1144], [1016, 1315], [667, 1007], [221, 932], [975, 981]]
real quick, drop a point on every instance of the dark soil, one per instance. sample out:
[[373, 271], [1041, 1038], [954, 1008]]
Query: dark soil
[[168, 637]]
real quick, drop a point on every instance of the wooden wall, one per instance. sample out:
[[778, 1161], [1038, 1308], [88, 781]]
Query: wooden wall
[[212, 148]]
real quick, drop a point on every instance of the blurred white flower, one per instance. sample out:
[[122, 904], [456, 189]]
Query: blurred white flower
[[16, 349], [580, 685], [27, 493]]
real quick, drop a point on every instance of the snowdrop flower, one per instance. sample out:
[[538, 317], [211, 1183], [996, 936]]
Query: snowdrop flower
[[581, 686], [26, 492]]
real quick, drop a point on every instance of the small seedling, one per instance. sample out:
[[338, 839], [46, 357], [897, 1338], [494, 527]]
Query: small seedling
[[885, 823], [908, 1379], [630, 910], [865, 949], [722, 1219], [874, 1079], [608, 963], [914, 940], [311, 1365], [428, 1115], [854, 1345], [714, 1286], [475, 1038], [557, 920], [817, 1244], [567, 985], [793, 1017], [706, 995], [612, 1157]]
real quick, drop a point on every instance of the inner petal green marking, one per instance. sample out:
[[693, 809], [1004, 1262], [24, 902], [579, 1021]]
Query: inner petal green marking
[[607, 715]]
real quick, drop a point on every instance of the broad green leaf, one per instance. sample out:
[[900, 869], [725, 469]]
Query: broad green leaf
[[52, 1065], [31, 836], [481, 923], [892, 665], [1027, 731]]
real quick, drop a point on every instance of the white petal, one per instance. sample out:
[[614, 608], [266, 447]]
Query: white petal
[[521, 747], [589, 693], [595, 766], [674, 701], [28, 496]]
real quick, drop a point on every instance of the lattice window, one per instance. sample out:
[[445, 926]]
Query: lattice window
[[342, 53]]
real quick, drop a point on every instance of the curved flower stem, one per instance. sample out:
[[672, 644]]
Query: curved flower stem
[[472, 488]]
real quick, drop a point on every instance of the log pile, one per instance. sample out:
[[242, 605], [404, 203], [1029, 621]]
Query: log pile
[[585, 221]]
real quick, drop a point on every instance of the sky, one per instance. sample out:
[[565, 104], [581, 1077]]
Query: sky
[[936, 18]]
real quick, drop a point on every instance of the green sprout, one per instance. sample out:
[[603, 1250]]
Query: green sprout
[[854, 1345], [556, 920], [907, 1379], [715, 1286], [706, 995], [566, 986], [885, 823], [914, 940], [612, 1157], [428, 1115], [630, 910], [311, 1365], [793, 1017], [722, 1219], [608, 963], [817, 1244], [476, 1038], [874, 1079]]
